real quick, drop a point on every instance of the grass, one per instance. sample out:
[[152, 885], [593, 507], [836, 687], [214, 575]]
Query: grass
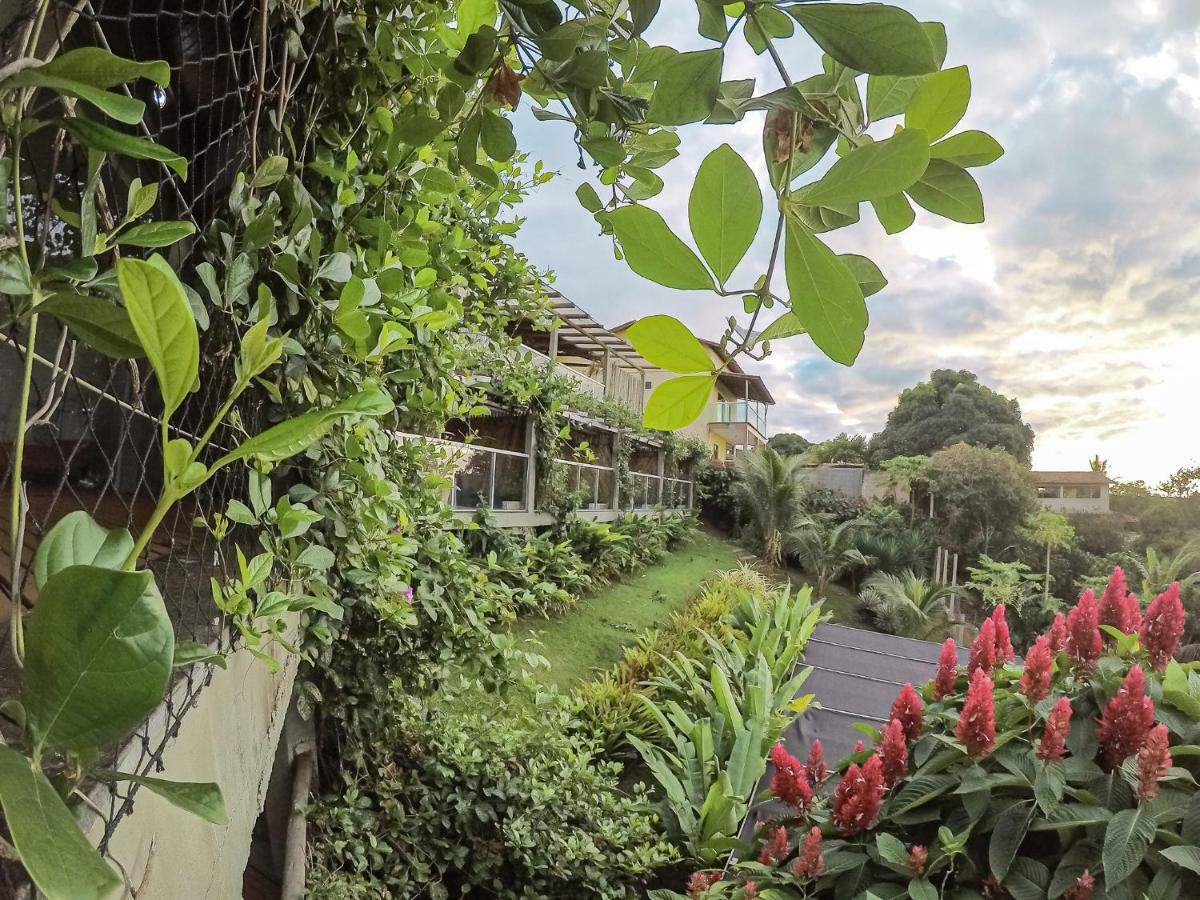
[[593, 634], [841, 602]]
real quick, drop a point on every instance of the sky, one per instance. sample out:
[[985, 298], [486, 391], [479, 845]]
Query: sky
[[1080, 294]]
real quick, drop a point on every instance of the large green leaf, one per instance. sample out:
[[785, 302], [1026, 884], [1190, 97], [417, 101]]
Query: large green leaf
[[1186, 855], [1126, 838], [101, 325], [668, 344], [200, 798], [54, 851], [101, 69], [155, 234], [873, 171], [888, 95], [119, 106], [895, 213], [79, 540], [865, 272], [1007, 834], [165, 325], [824, 295], [1083, 854], [98, 656], [949, 190], [869, 37], [654, 252], [967, 149], [101, 137], [724, 210], [940, 102], [687, 88], [1027, 879], [786, 325], [678, 402]]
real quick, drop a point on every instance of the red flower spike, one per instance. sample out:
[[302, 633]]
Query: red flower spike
[[1039, 661], [1083, 632], [1153, 761], [1084, 888], [1058, 633], [1004, 647], [947, 670], [776, 849], [1126, 721], [1054, 738], [1114, 608], [817, 770], [983, 650], [893, 752], [811, 861], [700, 882], [918, 859], [858, 746], [749, 891], [858, 796], [977, 722], [1163, 627], [790, 781], [906, 709]]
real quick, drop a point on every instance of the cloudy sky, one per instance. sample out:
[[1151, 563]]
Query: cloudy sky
[[1080, 295]]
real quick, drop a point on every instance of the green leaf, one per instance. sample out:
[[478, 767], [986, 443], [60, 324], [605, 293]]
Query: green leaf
[[968, 149], [588, 198], [1126, 838], [873, 171], [724, 210], [678, 402], [165, 326], [921, 889], [712, 20], [1186, 855], [200, 798], [940, 102], [294, 435], [496, 137], [109, 140], [824, 295], [654, 252], [767, 22], [98, 323], [668, 344], [1027, 879], [785, 326], [869, 37], [102, 69], [865, 272], [188, 653], [98, 656], [155, 234], [269, 171], [79, 540], [119, 106], [895, 213], [1083, 854], [687, 88], [948, 190], [891, 849], [1007, 835], [54, 851]]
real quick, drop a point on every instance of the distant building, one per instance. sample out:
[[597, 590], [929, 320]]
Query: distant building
[[1072, 492], [853, 481]]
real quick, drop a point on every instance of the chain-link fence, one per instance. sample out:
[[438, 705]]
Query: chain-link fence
[[92, 437]]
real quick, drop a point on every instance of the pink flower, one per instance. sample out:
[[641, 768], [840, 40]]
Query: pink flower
[[700, 882], [1058, 633], [1126, 720], [817, 770], [1035, 680], [776, 848], [858, 796], [408, 595], [893, 752], [1084, 887], [811, 861], [1054, 736], [790, 781], [749, 891], [918, 859], [983, 650], [1004, 647], [906, 709], [1083, 632], [858, 746], [947, 670], [1114, 610], [977, 722], [1163, 627], [1153, 761]]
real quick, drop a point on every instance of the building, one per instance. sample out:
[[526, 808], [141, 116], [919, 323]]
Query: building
[[735, 418], [1072, 492]]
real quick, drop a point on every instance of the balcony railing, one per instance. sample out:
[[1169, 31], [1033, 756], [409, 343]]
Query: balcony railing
[[750, 412], [650, 491], [596, 483], [482, 475]]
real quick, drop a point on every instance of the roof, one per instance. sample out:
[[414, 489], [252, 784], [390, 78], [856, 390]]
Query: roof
[[582, 331], [1088, 477]]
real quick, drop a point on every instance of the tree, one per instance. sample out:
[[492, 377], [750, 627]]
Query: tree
[[844, 448], [908, 604], [1099, 466], [769, 493], [981, 496], [901, 473], [952, 407], [1184, 482], [825, 552], [788, 443], [1050, 530]]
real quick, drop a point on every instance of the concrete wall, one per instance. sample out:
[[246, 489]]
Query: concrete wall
[[229, 737], [846, 481]]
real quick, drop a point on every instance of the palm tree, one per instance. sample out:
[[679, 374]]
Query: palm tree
[[1052, 531], [1159, 570], [901, 473], [908, 604], [825, 552], [769, 491], [1099, 466]]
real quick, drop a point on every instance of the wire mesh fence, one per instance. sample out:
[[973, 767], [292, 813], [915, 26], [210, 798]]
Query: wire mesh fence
[[92, 441]]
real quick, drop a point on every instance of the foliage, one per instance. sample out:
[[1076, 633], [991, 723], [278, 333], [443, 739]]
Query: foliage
[[1050, 530], [908, 604], [981, 497], [770, 493], [715, 498], [1013, 586], [842, 448], [826, 552], [1184, 482], [788, 443], [902, 473], [951, 408]]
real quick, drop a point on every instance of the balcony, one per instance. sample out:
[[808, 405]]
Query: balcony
[[739, 412]]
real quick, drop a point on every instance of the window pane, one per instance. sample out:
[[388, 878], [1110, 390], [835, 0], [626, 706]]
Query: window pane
[[472, 480], [510, 483], [604, 494]]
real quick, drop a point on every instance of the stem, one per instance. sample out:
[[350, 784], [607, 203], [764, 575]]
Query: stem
[[165, 502]]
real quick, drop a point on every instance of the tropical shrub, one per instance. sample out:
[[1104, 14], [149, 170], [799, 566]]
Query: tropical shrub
[[908, 604], [769, 492], [826, 552]]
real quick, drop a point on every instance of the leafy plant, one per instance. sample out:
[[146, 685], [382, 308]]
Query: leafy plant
[[908, 604], [769, 492]]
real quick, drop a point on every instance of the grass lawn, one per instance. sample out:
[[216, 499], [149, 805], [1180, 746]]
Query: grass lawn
[[841, 603], [593, 634]]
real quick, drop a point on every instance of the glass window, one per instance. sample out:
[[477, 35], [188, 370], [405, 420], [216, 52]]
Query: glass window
[[1082, 492], [1047, 492], [473, 480], [510, 483]]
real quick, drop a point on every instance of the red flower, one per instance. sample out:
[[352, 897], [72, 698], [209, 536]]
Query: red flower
[[1152, 762], [749, 891], [790, 781], [1035, 680], [1054, 737], [977, 721], [893, 752], [817, 770], [1004, 647], [701, 882], [776, 848], [1058, 633], [1162, 627], [1126, 721], [1084, 887], [858, 746], [811, 861], [947, 670], [983, 651], [1083, 632], [918, 859], [858, 796], [1115, 609], [906, 708]]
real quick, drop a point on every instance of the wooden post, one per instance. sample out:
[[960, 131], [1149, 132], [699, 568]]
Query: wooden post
[[553, 352], [616, 451], [530, 465], [662, 471]]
